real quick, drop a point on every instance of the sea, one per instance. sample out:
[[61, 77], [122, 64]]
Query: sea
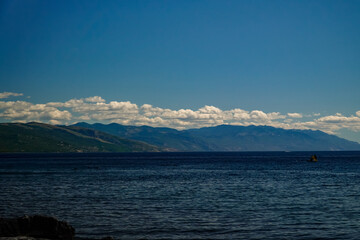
[[201, 195]]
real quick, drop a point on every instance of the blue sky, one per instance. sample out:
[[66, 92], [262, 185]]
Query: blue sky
[[187, 60]]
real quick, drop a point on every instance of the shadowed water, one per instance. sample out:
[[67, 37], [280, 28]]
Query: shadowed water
[[188, 195]]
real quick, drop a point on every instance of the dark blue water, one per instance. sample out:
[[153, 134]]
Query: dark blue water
[[189, 195]]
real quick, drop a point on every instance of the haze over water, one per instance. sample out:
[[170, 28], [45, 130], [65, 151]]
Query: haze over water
[[255, 195]]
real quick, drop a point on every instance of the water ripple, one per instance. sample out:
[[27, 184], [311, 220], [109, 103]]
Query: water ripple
[[189, 195]]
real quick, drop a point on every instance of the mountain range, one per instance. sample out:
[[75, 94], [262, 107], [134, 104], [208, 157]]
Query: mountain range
[[229, 138], [84, 137]]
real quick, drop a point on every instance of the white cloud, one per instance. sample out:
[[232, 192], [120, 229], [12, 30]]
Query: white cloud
[[25, 111], [210, 110], [338, 121], [9, 94], [96, 109], [95, 99], [331, 123], [95, 104], [238, 114], [55, 122], [295, 115]]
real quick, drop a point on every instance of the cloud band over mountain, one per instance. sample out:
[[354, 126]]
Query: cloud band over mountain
[[97, 109]]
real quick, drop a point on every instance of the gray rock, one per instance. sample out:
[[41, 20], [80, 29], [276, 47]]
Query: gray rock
[[21, 238], [36, 226]]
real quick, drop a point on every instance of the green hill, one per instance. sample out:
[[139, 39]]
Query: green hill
[[39, 137]]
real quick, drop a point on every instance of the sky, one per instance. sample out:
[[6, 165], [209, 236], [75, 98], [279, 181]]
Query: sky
[[182, 64]]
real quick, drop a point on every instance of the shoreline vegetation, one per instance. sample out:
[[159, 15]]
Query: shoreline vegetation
[[38, 227]]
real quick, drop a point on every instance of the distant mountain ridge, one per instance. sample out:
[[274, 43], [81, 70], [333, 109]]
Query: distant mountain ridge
[[39, 137], [229, 138], [84, 137]]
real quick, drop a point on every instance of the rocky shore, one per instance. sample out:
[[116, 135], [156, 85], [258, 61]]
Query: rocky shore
[[37, 227]]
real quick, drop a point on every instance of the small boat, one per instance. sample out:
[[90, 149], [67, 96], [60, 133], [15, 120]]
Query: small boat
[[313, 158]]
